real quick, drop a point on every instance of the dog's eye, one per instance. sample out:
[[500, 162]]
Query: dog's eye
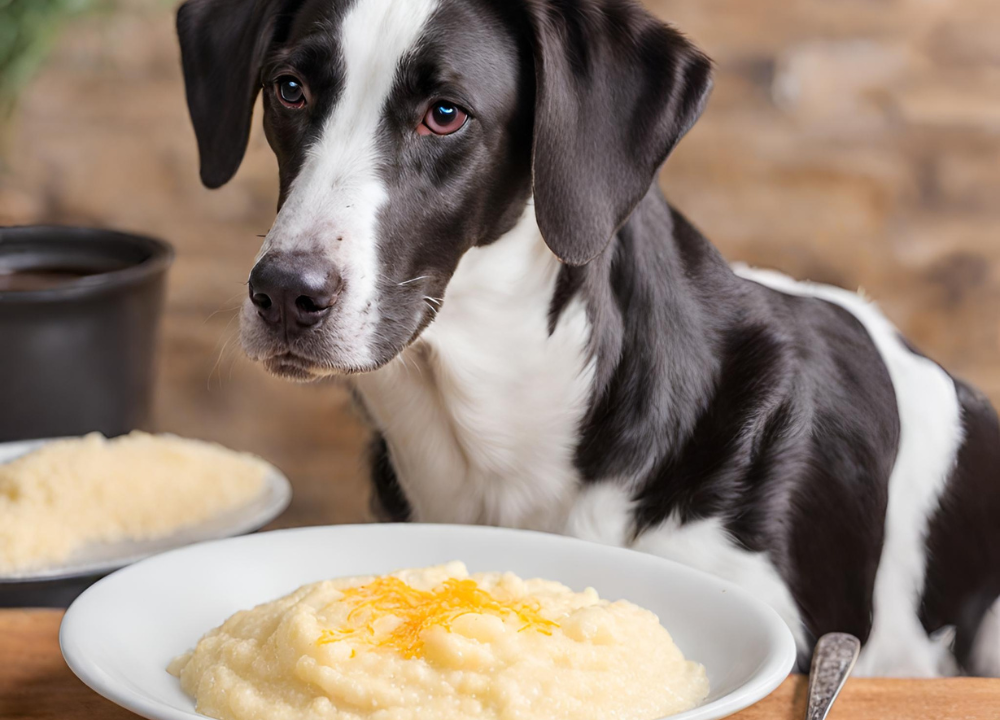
[[444, 118], [290, 91]]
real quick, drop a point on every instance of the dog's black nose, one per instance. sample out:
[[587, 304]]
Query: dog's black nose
[[293, 291]]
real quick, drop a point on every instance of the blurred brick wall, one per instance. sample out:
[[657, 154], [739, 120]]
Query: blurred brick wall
[[848, 141], [858, 142]]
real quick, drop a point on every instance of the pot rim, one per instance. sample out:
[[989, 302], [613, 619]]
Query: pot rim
[[161, 257]]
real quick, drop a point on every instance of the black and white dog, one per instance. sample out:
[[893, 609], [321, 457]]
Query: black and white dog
[[469, 229]]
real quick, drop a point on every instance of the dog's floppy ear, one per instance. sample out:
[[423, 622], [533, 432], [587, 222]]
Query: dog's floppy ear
[[615, 91], [223, 43]]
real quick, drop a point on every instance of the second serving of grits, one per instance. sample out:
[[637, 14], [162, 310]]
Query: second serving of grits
[[438, 643]]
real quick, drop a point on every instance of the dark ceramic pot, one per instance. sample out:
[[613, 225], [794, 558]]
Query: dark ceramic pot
[[77, 350]]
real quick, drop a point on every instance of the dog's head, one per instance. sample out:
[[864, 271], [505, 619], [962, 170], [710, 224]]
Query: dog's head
[[408, 131]]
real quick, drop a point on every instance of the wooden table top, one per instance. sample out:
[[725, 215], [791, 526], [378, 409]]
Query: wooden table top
[[35, 684]]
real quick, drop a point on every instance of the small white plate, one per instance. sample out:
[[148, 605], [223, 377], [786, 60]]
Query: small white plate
[[102, 558], [119, 636]]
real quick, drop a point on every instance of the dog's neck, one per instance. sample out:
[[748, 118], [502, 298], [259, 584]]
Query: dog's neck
[[483, 415], [657, 299]]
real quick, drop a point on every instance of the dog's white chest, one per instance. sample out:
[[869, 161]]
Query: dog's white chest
[[482, 414]]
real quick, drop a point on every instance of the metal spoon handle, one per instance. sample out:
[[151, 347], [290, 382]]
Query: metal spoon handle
[[832, 662]]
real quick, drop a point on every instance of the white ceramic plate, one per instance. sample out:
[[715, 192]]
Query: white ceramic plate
[[102, 558], [119, 636]]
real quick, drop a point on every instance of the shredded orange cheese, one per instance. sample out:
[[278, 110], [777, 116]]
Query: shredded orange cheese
[[420, 610]]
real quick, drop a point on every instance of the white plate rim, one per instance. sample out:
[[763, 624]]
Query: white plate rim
[[277, 491], [762, 683]]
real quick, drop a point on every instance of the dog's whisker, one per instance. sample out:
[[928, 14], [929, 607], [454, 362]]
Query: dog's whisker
[[226, 308], [436, 301], [236, 357], [218, 365], [226, 338], [220, 311], [406, 365], [407, 282], [231, 353]]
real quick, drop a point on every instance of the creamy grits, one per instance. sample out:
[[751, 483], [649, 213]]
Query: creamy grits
[[439, 644], [70, 493]]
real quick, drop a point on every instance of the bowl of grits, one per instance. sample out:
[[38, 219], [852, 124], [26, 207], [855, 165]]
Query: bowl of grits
[[392, 622], [439, 642], [74, 509]]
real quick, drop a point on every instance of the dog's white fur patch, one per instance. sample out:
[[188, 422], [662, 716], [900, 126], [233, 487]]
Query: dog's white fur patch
[[930, 436], [986, 650], [602, 513], [482, 413], [706, 545], [337, 193]]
